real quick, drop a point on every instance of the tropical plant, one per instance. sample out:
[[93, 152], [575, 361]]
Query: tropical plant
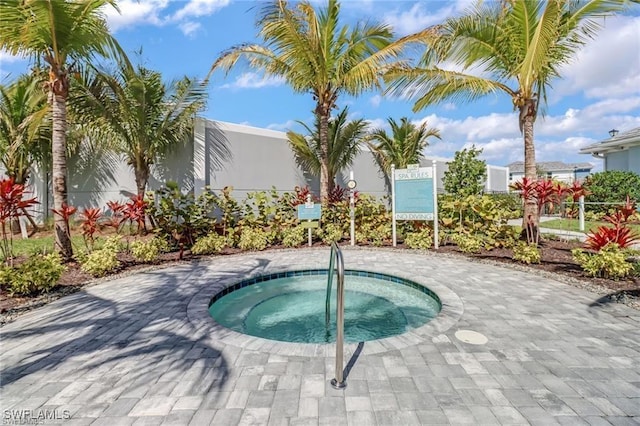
[[182, 218], [57, 34], [405, 145], [144, 118], [24, 134], [619, 231], [89, 218], [314, 54], [609, 262], [466, 173], [344, 138], [12, 206], [611, 186], [543, 194], [209, 244], [515, 46], [38, 274], [527, 253]]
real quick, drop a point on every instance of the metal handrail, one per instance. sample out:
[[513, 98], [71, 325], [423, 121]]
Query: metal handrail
[[338, 382]]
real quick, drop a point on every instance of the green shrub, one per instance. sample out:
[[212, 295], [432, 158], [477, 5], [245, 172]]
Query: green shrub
[[38, 274], [182, 218], [293, 237], [210, 244], [102, 261], [422, 239], [253, 239], [375, 236], [145, 251], [331, 232], [612, 186], [527, 253], [467, 243], [466, 174], [483, 217], [609, 262]]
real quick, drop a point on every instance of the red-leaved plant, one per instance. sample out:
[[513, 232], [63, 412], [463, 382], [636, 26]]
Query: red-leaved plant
[[90, 225], [619, 231], [301, 195], [12, 206], [117, 218], [544, 193], [134, 211]]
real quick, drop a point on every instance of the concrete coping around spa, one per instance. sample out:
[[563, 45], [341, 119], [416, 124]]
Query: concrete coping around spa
[[198, 315]]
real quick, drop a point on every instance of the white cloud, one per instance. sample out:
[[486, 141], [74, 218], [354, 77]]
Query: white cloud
[[196, 8], [8, 58], [251, 80], [378, 123], [133, 12], [608, 65], [449, 106], [375, 100], [189, 28], [287, 125], [157, 13], [417, 18]]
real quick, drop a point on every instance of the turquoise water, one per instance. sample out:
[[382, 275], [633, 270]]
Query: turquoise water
[[292, 309]]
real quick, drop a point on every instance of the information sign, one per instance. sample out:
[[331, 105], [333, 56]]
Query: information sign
[[309, 211]]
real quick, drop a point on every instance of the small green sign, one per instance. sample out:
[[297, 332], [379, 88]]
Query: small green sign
[[310, 224], [309, 212]]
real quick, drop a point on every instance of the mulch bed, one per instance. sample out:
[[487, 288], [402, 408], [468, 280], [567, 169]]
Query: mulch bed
[[557, 263]]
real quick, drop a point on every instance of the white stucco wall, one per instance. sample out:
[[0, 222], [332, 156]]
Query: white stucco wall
[[617, 161]]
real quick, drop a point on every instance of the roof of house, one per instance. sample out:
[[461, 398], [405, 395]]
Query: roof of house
[[550, 166], [619, 142]]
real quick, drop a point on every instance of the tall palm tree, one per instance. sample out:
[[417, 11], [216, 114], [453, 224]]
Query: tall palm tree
[[57, 33], [513, 46], [344, 137], [139, 115], [23, 127], [315, 55], [405, 145]]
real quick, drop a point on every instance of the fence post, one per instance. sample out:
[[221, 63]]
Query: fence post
[[581, 212]]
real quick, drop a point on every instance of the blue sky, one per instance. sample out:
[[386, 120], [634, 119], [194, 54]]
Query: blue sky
[[599, 91]]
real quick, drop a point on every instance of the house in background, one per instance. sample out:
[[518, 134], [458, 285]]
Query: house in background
[[556, 170], [620, 152]]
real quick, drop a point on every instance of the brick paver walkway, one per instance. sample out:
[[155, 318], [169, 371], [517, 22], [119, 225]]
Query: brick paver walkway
[[139, 350]]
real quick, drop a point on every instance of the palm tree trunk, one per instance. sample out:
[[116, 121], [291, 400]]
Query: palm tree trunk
[[325, 180], [528, 115], [59, 170], [142, 177]]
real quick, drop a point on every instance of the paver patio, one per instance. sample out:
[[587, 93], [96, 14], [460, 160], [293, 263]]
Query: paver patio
[[141, 350]]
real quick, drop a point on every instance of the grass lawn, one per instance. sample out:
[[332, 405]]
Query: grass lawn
[[574, 225], [42, 242]]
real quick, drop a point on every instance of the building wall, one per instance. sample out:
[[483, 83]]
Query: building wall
[[634, 159], [220, 154], [617, 161]]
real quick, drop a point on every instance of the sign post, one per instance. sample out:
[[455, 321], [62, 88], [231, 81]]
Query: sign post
[[414, 197], [309, 212], [352, 205]]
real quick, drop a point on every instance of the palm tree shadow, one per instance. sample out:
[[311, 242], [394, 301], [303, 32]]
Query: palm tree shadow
[[134, 340]]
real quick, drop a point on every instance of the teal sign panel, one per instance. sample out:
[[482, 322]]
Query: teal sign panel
[[414, 199], [312, 212]]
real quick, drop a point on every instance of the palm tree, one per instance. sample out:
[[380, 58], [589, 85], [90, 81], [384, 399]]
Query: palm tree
[[514, 46], [344, 144], [315, 55], [139, 115], [58, 34], [404, 146], [23, 127]]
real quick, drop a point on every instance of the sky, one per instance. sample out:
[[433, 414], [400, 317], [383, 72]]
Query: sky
[[598, 91]]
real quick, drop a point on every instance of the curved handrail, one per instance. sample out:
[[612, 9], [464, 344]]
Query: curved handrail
[[338, 382]]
